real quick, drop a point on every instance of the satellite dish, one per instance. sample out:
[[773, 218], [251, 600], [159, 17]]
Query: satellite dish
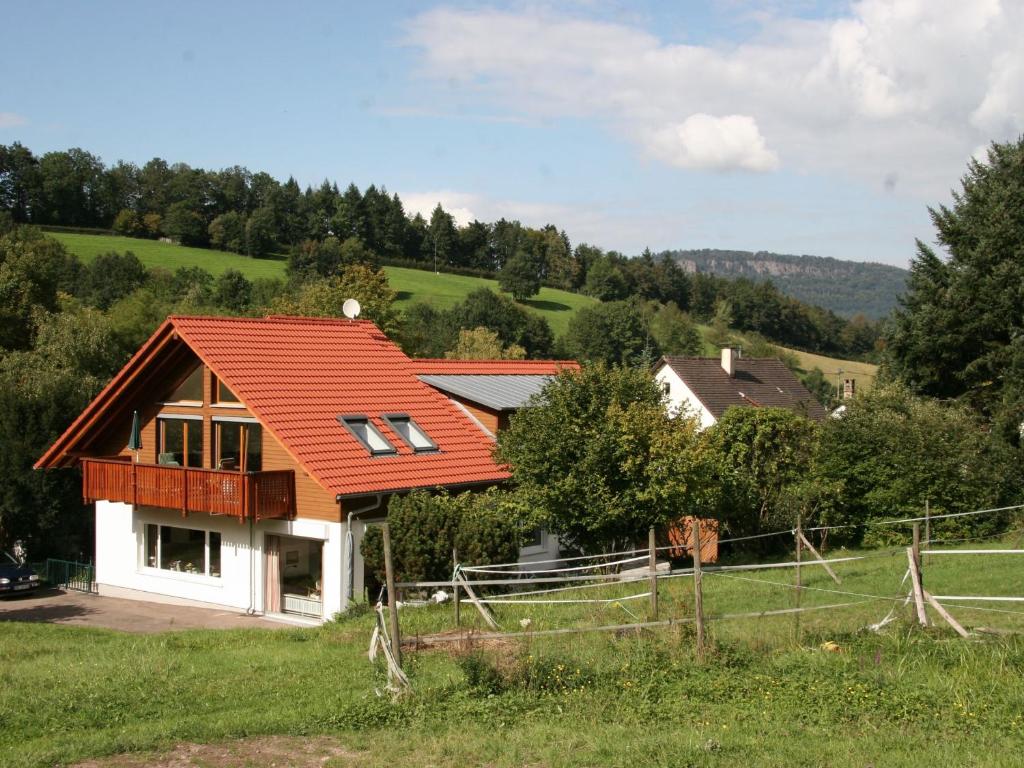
[[350, 308]]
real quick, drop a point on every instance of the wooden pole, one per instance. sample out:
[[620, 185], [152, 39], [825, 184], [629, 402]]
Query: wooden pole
[[799, 582], [817, 554], [652, 562], [698, 591], [945, 615], [389, 577], [916, 577], [927, 523], [455, 587]]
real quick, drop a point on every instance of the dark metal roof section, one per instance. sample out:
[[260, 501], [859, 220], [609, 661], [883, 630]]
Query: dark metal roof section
[[497, 392], [758, 381]]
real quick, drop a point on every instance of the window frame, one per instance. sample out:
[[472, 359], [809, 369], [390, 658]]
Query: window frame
[[215, 384], [347, 420], [189, 420], [207, 533], [391, 418], [245, 434], [189, 403]]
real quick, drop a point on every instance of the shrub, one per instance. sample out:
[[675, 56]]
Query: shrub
[[426, 527]]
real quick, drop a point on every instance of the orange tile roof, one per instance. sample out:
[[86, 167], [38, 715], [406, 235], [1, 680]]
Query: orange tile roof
[[427, 366], [297, 375]]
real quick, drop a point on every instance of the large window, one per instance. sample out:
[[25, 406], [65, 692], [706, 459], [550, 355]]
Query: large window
[[367, 434], [183, 550], [225, 396], [239, 445], [410, 432], [190, 390], [181, 442]]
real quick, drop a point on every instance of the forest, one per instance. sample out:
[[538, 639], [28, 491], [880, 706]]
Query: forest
[[238, 210]]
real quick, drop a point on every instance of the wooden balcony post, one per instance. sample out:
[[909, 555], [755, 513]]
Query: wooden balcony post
[[133, 478], [184, 492]]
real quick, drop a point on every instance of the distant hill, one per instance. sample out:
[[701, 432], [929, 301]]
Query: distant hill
[[845, 287]]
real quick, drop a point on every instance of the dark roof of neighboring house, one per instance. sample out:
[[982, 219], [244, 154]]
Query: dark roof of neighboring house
[[499, 392], [297, 376], [762, 382]]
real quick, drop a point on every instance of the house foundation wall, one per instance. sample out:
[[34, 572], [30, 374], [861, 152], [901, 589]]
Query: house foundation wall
[[122, 569]]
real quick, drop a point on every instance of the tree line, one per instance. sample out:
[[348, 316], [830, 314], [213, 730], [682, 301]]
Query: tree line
[[238, 210]]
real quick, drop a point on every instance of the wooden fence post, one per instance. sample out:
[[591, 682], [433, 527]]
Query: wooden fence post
[[455, 587], [916, 576], [799, 582], [927, 524], [698, 590], [389, 577], [652, 561]]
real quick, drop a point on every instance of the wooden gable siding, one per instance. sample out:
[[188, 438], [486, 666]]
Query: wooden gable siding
[[491, 419], [312, 500]]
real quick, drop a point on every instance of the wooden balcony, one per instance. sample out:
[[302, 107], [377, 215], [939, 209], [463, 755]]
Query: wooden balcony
[[252, 495]]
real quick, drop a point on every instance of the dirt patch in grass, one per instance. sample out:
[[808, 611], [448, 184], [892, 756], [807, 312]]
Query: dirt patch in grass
[[457, 642], [261, 752]]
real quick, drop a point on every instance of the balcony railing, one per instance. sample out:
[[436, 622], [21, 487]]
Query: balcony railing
[[250, 495]]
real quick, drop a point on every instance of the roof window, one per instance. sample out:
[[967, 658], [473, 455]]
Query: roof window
[[411, 432], [367, 434]]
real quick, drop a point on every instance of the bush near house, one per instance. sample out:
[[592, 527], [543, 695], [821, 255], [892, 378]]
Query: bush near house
[[426, 527]]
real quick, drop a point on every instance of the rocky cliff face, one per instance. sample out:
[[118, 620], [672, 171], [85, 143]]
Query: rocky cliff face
[[846, 287]]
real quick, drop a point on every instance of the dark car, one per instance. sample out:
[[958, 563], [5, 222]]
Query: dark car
[[15, 578]]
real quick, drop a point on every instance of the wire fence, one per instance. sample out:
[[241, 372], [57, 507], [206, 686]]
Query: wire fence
[[579, 594]]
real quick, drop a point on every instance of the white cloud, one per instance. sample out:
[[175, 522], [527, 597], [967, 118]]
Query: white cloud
[[716, 143], [892, 88], [458, 204], [12, 120]]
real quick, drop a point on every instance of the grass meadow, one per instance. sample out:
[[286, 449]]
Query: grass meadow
[[826, 692], [412, 285]]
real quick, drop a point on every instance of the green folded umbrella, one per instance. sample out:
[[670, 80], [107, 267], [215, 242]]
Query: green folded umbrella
[[135, 441]]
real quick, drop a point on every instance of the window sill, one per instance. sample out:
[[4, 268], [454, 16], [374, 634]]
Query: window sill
[[184, 576], [185, 403], [236, 406]]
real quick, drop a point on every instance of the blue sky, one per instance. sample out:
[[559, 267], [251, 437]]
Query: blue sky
[[798, 127]]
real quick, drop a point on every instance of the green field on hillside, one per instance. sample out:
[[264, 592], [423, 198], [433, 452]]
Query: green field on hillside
[[413, 285], [838, 696]]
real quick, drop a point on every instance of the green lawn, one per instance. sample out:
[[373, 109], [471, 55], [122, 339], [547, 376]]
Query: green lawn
[[153, 253], [442, 290], [905, 697]]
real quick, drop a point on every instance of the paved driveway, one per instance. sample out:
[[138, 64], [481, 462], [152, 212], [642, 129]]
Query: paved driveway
[[55, 606]]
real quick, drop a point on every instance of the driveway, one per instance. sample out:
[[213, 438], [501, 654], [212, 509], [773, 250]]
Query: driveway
[[54, 606]]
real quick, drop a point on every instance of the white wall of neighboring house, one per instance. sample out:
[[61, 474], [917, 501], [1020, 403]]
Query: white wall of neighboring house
[[122, 570], [548, 549], [680, 397]]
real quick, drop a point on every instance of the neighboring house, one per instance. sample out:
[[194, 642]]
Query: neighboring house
[[490, 391], [236, 462], [707, 386]]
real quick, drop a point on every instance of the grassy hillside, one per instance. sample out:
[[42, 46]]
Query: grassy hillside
[[902, 697], [441, 290], [156, 254]]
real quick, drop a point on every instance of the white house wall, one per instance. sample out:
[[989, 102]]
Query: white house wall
[[681, 398], [121, 569]]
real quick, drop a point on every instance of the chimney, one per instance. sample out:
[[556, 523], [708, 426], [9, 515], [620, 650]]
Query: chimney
[[849, 388], [729, 357]]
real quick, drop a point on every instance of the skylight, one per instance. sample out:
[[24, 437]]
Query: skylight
[[367, 434], [410, 432]]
